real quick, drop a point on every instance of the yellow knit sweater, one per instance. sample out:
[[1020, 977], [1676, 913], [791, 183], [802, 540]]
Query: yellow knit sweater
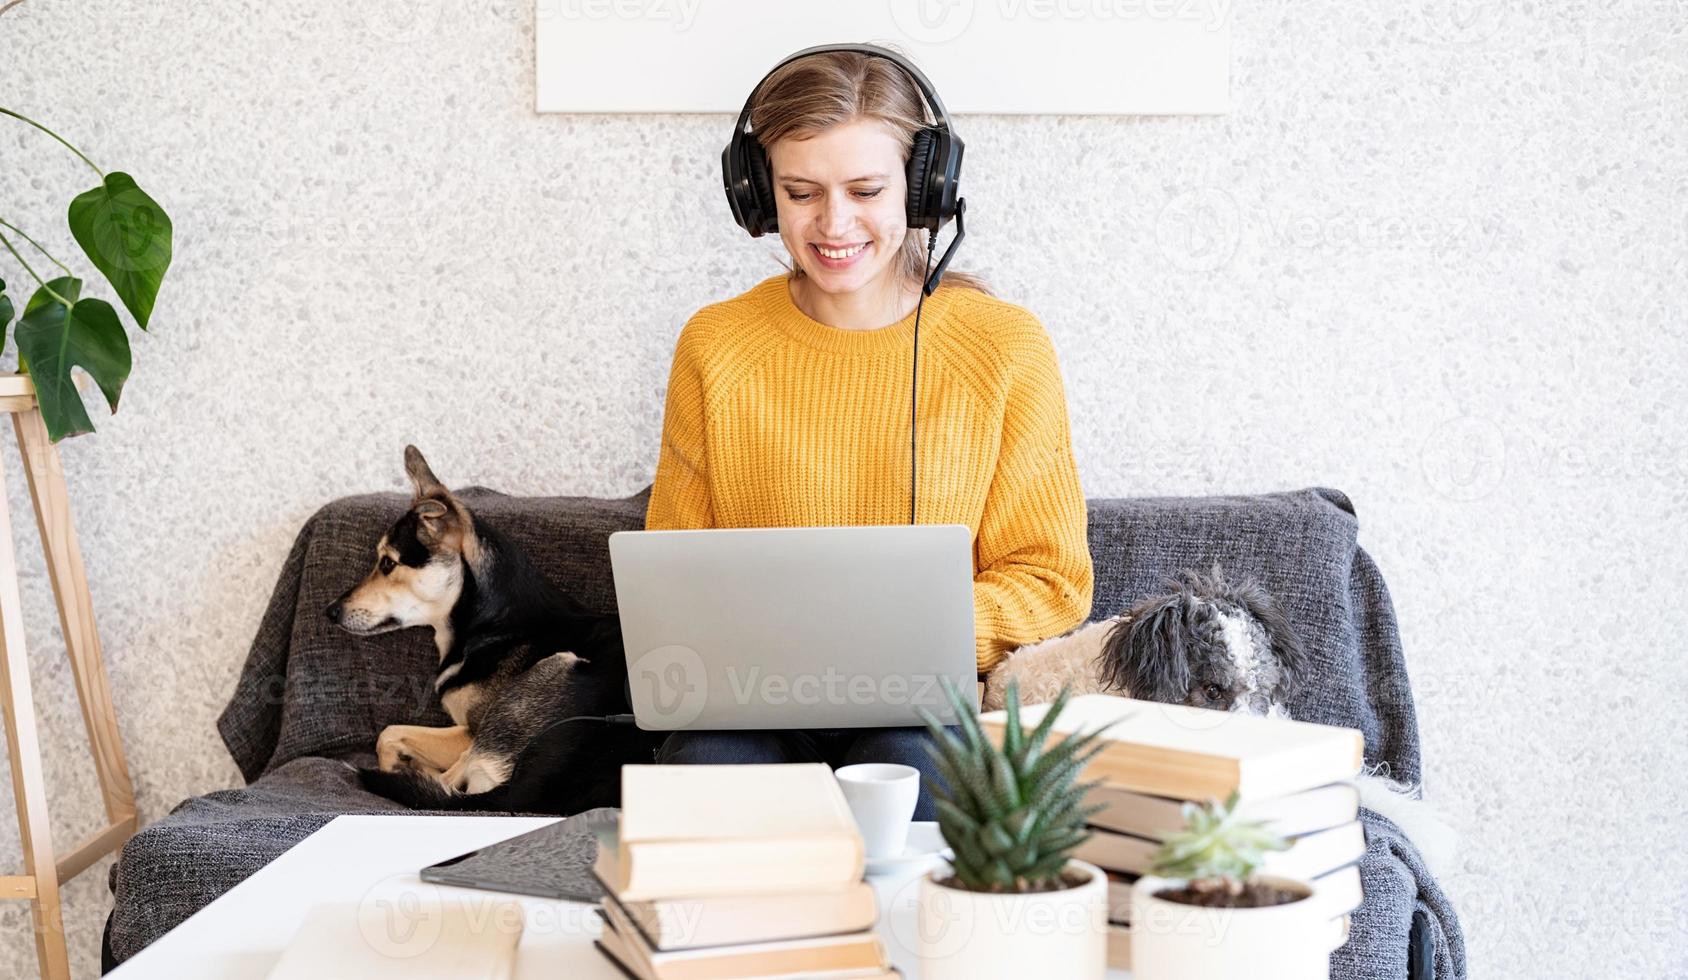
[[774, 419]]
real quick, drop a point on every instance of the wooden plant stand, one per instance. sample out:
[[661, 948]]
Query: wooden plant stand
[[43, 873]]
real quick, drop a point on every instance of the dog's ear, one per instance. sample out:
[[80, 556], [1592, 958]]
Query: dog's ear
[[1146, 655], [433, 521], [1284, 642], [442, 519], [421, 477]]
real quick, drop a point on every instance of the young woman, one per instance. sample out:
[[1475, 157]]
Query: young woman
[[789, 405]]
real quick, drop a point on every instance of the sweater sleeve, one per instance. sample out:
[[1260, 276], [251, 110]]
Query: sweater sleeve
[[1032, 553], [680, 497]]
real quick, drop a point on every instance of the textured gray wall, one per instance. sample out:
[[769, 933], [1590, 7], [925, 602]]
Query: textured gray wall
[[1436, 257]]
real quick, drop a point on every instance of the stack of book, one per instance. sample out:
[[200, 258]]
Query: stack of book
[[736, 871], [1296, 776]]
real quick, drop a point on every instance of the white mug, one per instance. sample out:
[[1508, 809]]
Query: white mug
[[882, 797]]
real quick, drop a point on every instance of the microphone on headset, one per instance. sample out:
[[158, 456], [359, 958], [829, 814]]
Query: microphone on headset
[[928, 285], [949, 253]]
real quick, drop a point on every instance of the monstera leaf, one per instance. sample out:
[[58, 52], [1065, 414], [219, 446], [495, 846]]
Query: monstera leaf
[[127, 236], [5, 313], [54, 337]]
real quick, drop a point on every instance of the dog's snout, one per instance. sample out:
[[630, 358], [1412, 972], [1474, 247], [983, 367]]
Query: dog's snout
[[334, 610]]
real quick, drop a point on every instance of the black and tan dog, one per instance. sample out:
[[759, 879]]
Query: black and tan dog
[[516, 656]]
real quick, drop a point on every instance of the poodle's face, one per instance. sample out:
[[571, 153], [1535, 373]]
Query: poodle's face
[[1231, 666], [1209, 644]]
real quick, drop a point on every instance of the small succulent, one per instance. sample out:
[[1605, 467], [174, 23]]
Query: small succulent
[[1217, 851], [1011, 815]]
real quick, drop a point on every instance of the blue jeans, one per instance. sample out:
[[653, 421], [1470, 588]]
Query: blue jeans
[[839, 747]]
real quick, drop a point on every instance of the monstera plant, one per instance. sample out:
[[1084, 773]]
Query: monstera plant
[[126, 236]]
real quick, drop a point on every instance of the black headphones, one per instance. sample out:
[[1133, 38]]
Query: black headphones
[[933, 169]]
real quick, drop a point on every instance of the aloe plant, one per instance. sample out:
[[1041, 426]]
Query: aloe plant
[[127, 237], [1217, 851], [1013, 815]]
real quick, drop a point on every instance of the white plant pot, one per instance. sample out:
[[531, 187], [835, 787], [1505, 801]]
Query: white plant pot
[[1174, 941], [965, 935]]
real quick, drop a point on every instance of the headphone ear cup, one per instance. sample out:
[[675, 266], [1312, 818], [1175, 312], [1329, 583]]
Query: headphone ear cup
[[921, 213], [761, 184]]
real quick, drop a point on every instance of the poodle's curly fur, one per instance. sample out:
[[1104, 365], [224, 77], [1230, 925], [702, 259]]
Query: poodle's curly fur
[[1212, 643], [1208, 642]]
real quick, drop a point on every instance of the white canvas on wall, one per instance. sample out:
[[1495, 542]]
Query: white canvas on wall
[[1108, 57]]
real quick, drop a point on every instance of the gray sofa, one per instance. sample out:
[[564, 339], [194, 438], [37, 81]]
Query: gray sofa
[[311, 696]]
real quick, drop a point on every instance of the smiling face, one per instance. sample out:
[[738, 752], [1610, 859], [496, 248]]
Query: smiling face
[[841, 197]]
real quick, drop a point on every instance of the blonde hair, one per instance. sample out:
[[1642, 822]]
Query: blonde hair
[[813, 94]]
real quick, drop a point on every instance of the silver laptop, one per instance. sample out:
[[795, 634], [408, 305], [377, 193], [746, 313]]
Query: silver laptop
[[805, 627]]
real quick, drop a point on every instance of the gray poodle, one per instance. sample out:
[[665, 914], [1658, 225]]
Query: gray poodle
[[1210, 642]]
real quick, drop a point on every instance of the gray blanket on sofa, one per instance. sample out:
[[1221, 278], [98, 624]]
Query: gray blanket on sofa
[[311, 697]]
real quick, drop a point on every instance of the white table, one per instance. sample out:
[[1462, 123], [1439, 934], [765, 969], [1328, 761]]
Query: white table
[[375, 858]]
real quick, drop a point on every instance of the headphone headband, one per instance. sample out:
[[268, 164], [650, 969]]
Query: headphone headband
[[939, 114]]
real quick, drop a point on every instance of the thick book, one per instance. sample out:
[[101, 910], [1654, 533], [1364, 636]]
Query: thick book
[[1195, 753], [1308, 857], [688, 923], [699, 831], [853, 955], [452, 939], [1155, 817]]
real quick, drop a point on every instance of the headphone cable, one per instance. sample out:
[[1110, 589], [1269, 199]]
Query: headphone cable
[[914, 382]]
